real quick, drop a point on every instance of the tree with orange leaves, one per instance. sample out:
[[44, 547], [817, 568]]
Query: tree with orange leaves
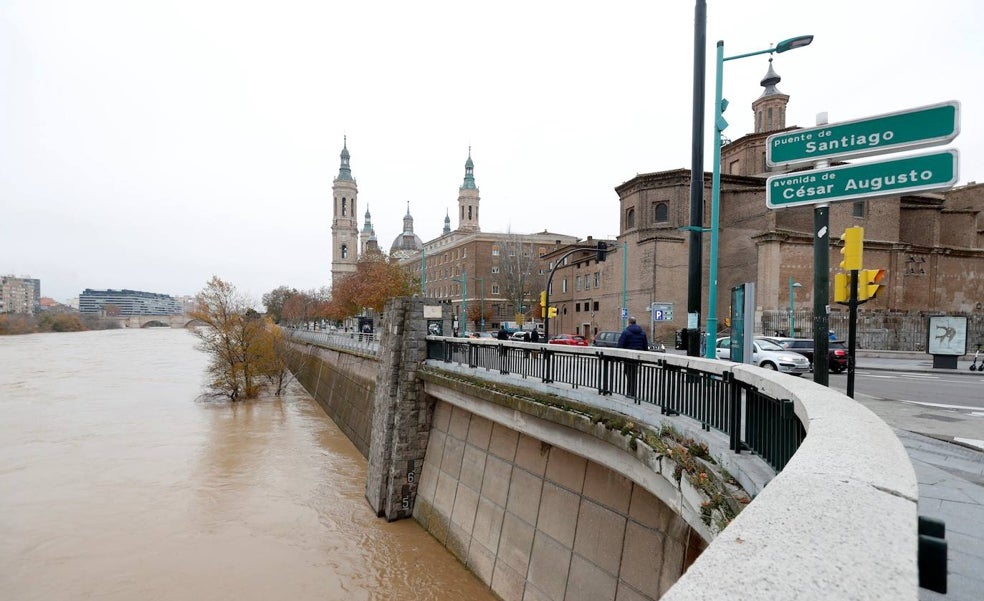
[[375, 281]]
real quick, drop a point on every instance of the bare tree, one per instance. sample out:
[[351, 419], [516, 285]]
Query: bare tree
[[520, 279]]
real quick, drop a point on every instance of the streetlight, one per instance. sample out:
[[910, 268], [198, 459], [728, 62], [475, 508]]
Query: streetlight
[[720, 104], [792, 308], [482, 317]]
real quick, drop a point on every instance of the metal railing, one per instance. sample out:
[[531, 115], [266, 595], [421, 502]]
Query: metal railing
[[750, 418], [351, 341]]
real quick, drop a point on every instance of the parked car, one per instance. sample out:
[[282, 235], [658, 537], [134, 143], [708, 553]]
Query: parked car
[[606, 339], [768, 355], [568, 339], [836, 351], [520, 336]]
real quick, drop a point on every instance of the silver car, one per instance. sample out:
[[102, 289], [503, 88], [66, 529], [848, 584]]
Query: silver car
[[768, 355]]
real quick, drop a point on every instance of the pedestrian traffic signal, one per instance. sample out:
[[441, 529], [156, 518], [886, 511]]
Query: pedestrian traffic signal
[[842, 288], [870, 283], [853, 238], [552, 312], [602, 250]]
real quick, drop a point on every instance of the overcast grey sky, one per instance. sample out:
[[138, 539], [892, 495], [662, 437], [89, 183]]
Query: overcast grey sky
[[151, 144]]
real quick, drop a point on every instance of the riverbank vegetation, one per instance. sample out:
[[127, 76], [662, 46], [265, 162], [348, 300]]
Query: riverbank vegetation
[[248, 353], [20, 323]]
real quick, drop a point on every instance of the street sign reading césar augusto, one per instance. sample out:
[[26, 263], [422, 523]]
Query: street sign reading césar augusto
[[904, 130], [866, 180]]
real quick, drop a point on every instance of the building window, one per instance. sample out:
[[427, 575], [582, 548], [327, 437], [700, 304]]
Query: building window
[[495, 269], [495, 251], [858, 209], [587, 282], [630, 218], [344, 251], [769, 118], [577, 283], [469, 212], [495, 289], [344, 206], [596, 305], [541, 251], [662, 213], [596, 283], [577, 308], [563, 285]]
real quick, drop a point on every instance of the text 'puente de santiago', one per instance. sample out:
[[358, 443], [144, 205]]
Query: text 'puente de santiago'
[[585, 473]]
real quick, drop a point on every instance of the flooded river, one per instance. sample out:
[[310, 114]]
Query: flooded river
[[118, 482]]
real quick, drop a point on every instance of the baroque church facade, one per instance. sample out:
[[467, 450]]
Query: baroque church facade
[[495, 277]]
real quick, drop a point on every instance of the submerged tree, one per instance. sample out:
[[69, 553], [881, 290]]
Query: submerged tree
[[241, 344]]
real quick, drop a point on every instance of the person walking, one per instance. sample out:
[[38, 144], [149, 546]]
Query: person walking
[[534, 335], [503, 333], [634, 338]]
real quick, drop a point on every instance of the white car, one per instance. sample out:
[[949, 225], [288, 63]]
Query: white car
[[768, 355]]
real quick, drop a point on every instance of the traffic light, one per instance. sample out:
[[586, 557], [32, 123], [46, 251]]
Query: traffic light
[[552, 312], [842, 288], [602, 250], [853, 238], [543, 303], [870, 283]]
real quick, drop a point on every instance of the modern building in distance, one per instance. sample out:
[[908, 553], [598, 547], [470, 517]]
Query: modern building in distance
[[128, 302], [19, 295]]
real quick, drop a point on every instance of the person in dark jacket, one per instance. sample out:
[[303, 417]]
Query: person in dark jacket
[[534, 335], [633, 337], [503, 333]]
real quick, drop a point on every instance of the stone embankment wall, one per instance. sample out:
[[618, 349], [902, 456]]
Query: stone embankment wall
[[343, 383], [534, 521]]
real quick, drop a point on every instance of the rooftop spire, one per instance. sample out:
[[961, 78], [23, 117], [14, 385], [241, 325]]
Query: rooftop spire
[[345, 171], [469, 183], [770, 80]]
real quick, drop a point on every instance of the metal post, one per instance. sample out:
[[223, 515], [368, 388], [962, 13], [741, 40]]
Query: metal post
[[821, 288], [482, 318], [625, 272], [697, 168], [792, 310], [852, 331], [719, 125], [464, 304]]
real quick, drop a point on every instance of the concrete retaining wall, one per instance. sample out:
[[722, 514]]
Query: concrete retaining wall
[[343, 383], [534, 521]]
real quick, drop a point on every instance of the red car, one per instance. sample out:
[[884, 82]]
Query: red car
[[569, 339]]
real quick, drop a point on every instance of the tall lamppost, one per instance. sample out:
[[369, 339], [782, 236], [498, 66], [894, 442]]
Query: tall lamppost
[[792, 307], [720, 104]]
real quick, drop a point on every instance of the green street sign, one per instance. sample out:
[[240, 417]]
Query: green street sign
[[914, 128], [867, 180]]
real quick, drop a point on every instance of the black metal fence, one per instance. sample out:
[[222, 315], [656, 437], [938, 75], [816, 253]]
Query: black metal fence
[[752, 420]]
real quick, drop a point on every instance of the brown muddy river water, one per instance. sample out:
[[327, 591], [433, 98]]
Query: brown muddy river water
[[117, 482]]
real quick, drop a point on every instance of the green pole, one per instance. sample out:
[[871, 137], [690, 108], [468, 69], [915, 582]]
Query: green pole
[[792, 310], [464, 304], [625, 275]]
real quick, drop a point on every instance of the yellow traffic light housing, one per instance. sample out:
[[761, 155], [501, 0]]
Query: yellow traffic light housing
[[543, 303], [870, 283], [842, 288], [853, 238], [552, 312]]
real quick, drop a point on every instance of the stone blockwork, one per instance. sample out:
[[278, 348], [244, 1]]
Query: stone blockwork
[[401, 414], [343, 383], [537, 522]]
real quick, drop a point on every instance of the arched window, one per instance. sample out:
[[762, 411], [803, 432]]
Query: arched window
[[630, 218], [469, 212], [344, 205], [344, 251], [662, 213]]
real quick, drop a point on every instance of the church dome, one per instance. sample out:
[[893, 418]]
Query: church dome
[[406, 245]]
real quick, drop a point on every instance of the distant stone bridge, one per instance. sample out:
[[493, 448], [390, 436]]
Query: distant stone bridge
[[158, 321]]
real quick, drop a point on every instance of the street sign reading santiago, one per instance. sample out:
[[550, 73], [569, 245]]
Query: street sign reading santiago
[[914, 173], [931, 125]]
